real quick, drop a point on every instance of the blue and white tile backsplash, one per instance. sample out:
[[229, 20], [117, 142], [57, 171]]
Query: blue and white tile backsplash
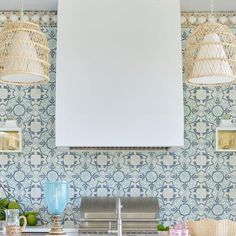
[[190, 182]]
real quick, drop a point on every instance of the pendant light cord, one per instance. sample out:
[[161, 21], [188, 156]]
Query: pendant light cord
[[22, 9], [211, 10], [212, 6]]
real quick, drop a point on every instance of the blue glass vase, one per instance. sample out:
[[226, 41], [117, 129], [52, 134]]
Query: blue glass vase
[[56, 195]]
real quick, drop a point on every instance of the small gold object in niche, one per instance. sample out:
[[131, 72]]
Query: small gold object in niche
[[10, 137], [227, 139], [9, 140]]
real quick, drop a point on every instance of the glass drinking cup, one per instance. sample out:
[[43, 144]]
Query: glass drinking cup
[[2, 227], [13, 223]]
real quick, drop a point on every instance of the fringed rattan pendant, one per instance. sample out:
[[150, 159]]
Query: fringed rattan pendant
[[210, 56], [24, 54]]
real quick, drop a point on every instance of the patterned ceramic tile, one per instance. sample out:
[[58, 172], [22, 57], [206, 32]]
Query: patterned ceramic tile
[[44, 18], [188, 19], [190, 182]]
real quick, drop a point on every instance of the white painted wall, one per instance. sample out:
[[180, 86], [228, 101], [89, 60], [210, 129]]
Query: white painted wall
[[119, 73]]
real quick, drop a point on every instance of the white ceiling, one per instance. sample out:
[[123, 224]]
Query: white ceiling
[[186, 5]]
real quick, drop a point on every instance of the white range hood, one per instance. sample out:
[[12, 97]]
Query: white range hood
[[119, 74]]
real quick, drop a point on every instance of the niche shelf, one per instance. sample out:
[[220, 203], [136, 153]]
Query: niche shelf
[[226, 137]]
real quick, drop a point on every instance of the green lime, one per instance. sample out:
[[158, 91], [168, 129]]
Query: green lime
[[2, 215], [25, 214], [13, 205], [32, 220], [160, 227], [4, 202], [34, 213]]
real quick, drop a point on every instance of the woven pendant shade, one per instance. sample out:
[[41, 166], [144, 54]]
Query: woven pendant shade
[[210, 56], [24, 54]]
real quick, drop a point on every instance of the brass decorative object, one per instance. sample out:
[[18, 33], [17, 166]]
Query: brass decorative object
[[226, 136], [24, 54], [10, 137], [226, 140], [210, 56]]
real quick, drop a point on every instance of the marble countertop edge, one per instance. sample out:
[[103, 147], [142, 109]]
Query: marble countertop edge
[[44, 229]]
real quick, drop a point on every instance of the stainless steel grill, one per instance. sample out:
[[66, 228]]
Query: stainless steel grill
[[139, 214]]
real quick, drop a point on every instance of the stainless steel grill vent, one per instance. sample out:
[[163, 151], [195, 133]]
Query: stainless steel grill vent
[[139, 214]]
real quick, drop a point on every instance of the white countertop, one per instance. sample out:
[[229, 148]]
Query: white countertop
[[43, 229]]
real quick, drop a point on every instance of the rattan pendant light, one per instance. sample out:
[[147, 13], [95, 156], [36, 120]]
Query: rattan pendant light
[[210, 56], [24, 54]]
